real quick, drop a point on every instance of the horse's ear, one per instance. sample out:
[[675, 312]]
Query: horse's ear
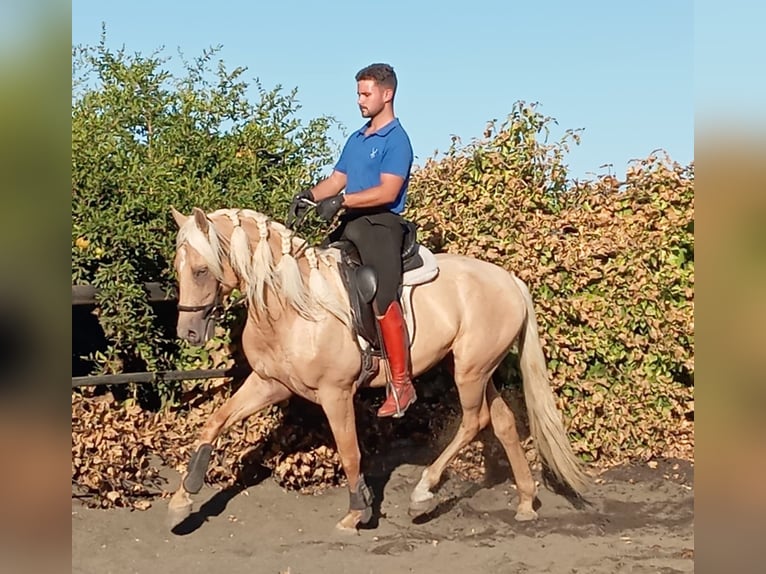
[[201, 219], [178, 216]]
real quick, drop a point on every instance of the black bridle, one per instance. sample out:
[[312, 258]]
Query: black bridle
[[211, 310]]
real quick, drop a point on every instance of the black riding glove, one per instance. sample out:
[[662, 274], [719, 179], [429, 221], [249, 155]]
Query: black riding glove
[[298, 207], [328, 208]]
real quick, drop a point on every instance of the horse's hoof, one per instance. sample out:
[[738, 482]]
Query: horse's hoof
[[345, 529], [349, 522], [525, 515], [421, 507], [179, 509]]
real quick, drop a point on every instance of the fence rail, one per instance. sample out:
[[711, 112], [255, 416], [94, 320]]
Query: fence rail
[[157, 377], [86, 294]]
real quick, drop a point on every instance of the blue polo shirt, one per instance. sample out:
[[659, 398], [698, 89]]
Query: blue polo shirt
[[365, 157]]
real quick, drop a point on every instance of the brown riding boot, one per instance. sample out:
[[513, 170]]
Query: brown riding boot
[[401, 393]]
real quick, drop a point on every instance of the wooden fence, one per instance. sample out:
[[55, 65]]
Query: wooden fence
[[86, 295]]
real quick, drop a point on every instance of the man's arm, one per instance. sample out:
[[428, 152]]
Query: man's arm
[[383, 194], [330, 186]]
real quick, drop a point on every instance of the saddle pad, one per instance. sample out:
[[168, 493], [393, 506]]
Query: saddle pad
[[424, 273], [427, 272]]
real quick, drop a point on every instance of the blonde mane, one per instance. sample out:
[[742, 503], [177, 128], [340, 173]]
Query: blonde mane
[[208, 245], [260, 271]]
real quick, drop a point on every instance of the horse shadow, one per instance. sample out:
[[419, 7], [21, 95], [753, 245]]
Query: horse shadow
[[380, 470], [387, 445], [251, 473], [379, 479], [209, 509], [379, 467]]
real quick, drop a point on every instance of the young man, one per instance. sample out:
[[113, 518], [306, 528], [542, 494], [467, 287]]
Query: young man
[[374, 169]]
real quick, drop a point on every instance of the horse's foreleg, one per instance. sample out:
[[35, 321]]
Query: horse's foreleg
[[504, 425], [254, 394], [475, 418], [338, 405]]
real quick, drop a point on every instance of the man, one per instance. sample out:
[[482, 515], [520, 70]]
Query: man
[[374, 169]]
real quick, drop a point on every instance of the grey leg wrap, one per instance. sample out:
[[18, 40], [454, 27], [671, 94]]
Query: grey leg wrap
[[361, 499], [195, 473]]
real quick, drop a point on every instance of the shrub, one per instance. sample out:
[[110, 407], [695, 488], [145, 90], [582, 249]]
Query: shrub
[[143, 140], [610, 265]]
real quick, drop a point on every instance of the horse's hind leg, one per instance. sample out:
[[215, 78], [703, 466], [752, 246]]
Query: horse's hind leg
[[475, 418], [254, 394], [504, 426]]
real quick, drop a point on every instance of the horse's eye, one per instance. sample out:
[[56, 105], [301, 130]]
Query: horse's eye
[[201, 272]]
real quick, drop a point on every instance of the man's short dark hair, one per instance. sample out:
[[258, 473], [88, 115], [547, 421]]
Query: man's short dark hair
[[382, 74]]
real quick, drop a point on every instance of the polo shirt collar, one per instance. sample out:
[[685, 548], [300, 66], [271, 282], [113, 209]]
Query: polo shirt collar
[[382, 131]]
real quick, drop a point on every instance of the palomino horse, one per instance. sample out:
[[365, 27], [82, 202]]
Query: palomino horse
[[299, 340]]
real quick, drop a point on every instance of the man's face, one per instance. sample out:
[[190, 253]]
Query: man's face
[[371, 97]]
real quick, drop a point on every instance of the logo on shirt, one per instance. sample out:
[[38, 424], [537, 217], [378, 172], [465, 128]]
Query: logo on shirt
[[373, 153]]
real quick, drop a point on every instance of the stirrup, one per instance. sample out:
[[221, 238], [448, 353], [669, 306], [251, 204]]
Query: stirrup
[[399, 412], [391, 389]]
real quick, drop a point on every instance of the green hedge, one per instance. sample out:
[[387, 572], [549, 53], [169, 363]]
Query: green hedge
[[610, 265], [144, 139]]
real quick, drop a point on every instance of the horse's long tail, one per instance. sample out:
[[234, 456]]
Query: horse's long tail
[[544, 418]]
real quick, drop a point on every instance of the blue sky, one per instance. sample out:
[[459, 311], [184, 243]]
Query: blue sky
[[729, 48], [622, 71]]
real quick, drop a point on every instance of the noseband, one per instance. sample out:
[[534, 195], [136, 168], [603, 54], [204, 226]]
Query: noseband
[[210, 309]]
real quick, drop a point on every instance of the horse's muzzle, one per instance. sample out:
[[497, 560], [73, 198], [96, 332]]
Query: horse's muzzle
[[196, 323], [192, 336]]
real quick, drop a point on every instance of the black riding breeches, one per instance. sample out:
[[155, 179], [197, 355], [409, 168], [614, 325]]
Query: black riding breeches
[[378, 237]]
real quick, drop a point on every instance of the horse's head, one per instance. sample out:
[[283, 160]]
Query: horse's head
[[204, 276]]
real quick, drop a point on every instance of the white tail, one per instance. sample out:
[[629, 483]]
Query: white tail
[[544, 418]]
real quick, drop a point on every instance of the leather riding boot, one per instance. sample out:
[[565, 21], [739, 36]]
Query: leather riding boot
[[401, 393]]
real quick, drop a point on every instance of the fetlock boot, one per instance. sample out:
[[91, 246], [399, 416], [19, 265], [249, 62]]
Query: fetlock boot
[[401, 393]]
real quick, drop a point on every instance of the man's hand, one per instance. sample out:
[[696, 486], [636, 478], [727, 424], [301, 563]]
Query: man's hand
[[328, 208], [298, 207]]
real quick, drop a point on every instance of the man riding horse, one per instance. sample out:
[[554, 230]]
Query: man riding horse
[[374, 170]]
